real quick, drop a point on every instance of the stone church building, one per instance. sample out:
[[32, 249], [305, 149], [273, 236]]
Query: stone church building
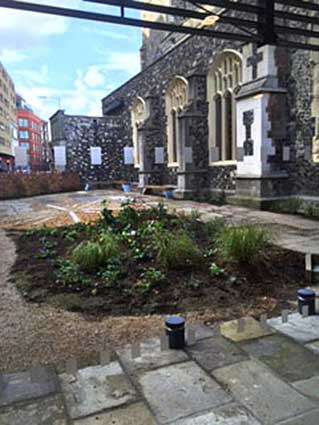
[[206, 116]]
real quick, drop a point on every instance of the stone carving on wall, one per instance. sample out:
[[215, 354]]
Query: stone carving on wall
[[248, 120]]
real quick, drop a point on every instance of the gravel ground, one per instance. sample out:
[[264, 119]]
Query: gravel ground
[[32, 334]]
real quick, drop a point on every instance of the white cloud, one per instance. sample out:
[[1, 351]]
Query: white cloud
[[12, 56], [126, 62], [31, 77], [94, 76], [116, 35], [21, 30]]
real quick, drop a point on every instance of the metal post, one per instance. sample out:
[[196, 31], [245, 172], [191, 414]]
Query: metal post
[[266, 20]]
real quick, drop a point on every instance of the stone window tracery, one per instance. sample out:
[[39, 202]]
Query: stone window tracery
[[138, 116], [176, 98], [223, 82]]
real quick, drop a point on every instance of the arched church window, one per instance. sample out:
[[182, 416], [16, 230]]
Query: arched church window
[[138, 116], [175, 100], [218, 114], [221, 103], [229, 126]]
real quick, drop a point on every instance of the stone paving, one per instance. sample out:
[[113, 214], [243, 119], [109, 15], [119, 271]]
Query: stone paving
[[269, 379]]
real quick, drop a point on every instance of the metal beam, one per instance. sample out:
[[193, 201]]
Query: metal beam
[[231, 5], [266, 27], [156, 8], [223, 19], [300, 4], [99, 17], [80, 14]]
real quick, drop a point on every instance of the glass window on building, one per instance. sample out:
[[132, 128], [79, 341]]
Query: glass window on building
[[24, 134], [23, 122]]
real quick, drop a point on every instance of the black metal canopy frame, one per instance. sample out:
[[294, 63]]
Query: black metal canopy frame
[[289, 23]]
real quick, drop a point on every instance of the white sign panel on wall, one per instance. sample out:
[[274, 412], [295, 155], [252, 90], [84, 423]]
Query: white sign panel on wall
[[96, 155], [159, 155], [59, 156], [128, 156], [21, 156], [188, 155]]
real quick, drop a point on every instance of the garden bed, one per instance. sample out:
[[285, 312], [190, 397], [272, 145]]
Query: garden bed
[[139, 262]]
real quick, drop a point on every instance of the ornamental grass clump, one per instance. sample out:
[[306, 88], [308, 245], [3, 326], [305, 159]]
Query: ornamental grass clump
[[176, 251], [90, 256], [242, 243]]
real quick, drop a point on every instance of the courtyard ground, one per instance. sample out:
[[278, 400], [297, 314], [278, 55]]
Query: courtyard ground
[[250, 376], [33, 333]]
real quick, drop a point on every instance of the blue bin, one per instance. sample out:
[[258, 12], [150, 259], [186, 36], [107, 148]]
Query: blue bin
[[168, 194], [126, 188]]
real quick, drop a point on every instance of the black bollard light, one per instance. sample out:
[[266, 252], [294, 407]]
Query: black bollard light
[[175, 330], [307, 298]]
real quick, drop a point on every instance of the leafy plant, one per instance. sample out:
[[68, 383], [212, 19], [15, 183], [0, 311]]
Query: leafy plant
[[69, 274], [149, 279], [112, 274], [215, 270], [194, 283], [243, 243]]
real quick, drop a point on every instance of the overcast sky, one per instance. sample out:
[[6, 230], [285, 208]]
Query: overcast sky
[[79, 62]]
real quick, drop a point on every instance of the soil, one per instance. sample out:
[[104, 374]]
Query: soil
[[264, 286]]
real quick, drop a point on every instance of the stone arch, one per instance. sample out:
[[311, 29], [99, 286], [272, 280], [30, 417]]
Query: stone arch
[[224, 78], [176, 98], [138, 116]]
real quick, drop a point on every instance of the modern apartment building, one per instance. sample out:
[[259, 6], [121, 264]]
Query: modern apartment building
[[8, 120], [30, 135]]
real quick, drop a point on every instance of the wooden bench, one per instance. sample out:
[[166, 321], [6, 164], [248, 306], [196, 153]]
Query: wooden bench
[[154, 189], [108, 184]]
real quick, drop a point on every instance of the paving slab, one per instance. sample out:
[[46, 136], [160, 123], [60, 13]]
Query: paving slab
[[181, 390], [309, 387], [252, 330], [135, 414], [96, 388], [313, 346], [202, 331], [231, 414], [268, 398], [289, 359], [216, 352], [20, 386], [151, 358], [302, 329], [310, 418], [47, 411]]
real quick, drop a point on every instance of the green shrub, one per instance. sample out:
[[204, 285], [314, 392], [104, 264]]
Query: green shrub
[[149, 279], [177, 251], [288, 206], [90, 256], [243, 243], [68, 274], [311, 210]]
